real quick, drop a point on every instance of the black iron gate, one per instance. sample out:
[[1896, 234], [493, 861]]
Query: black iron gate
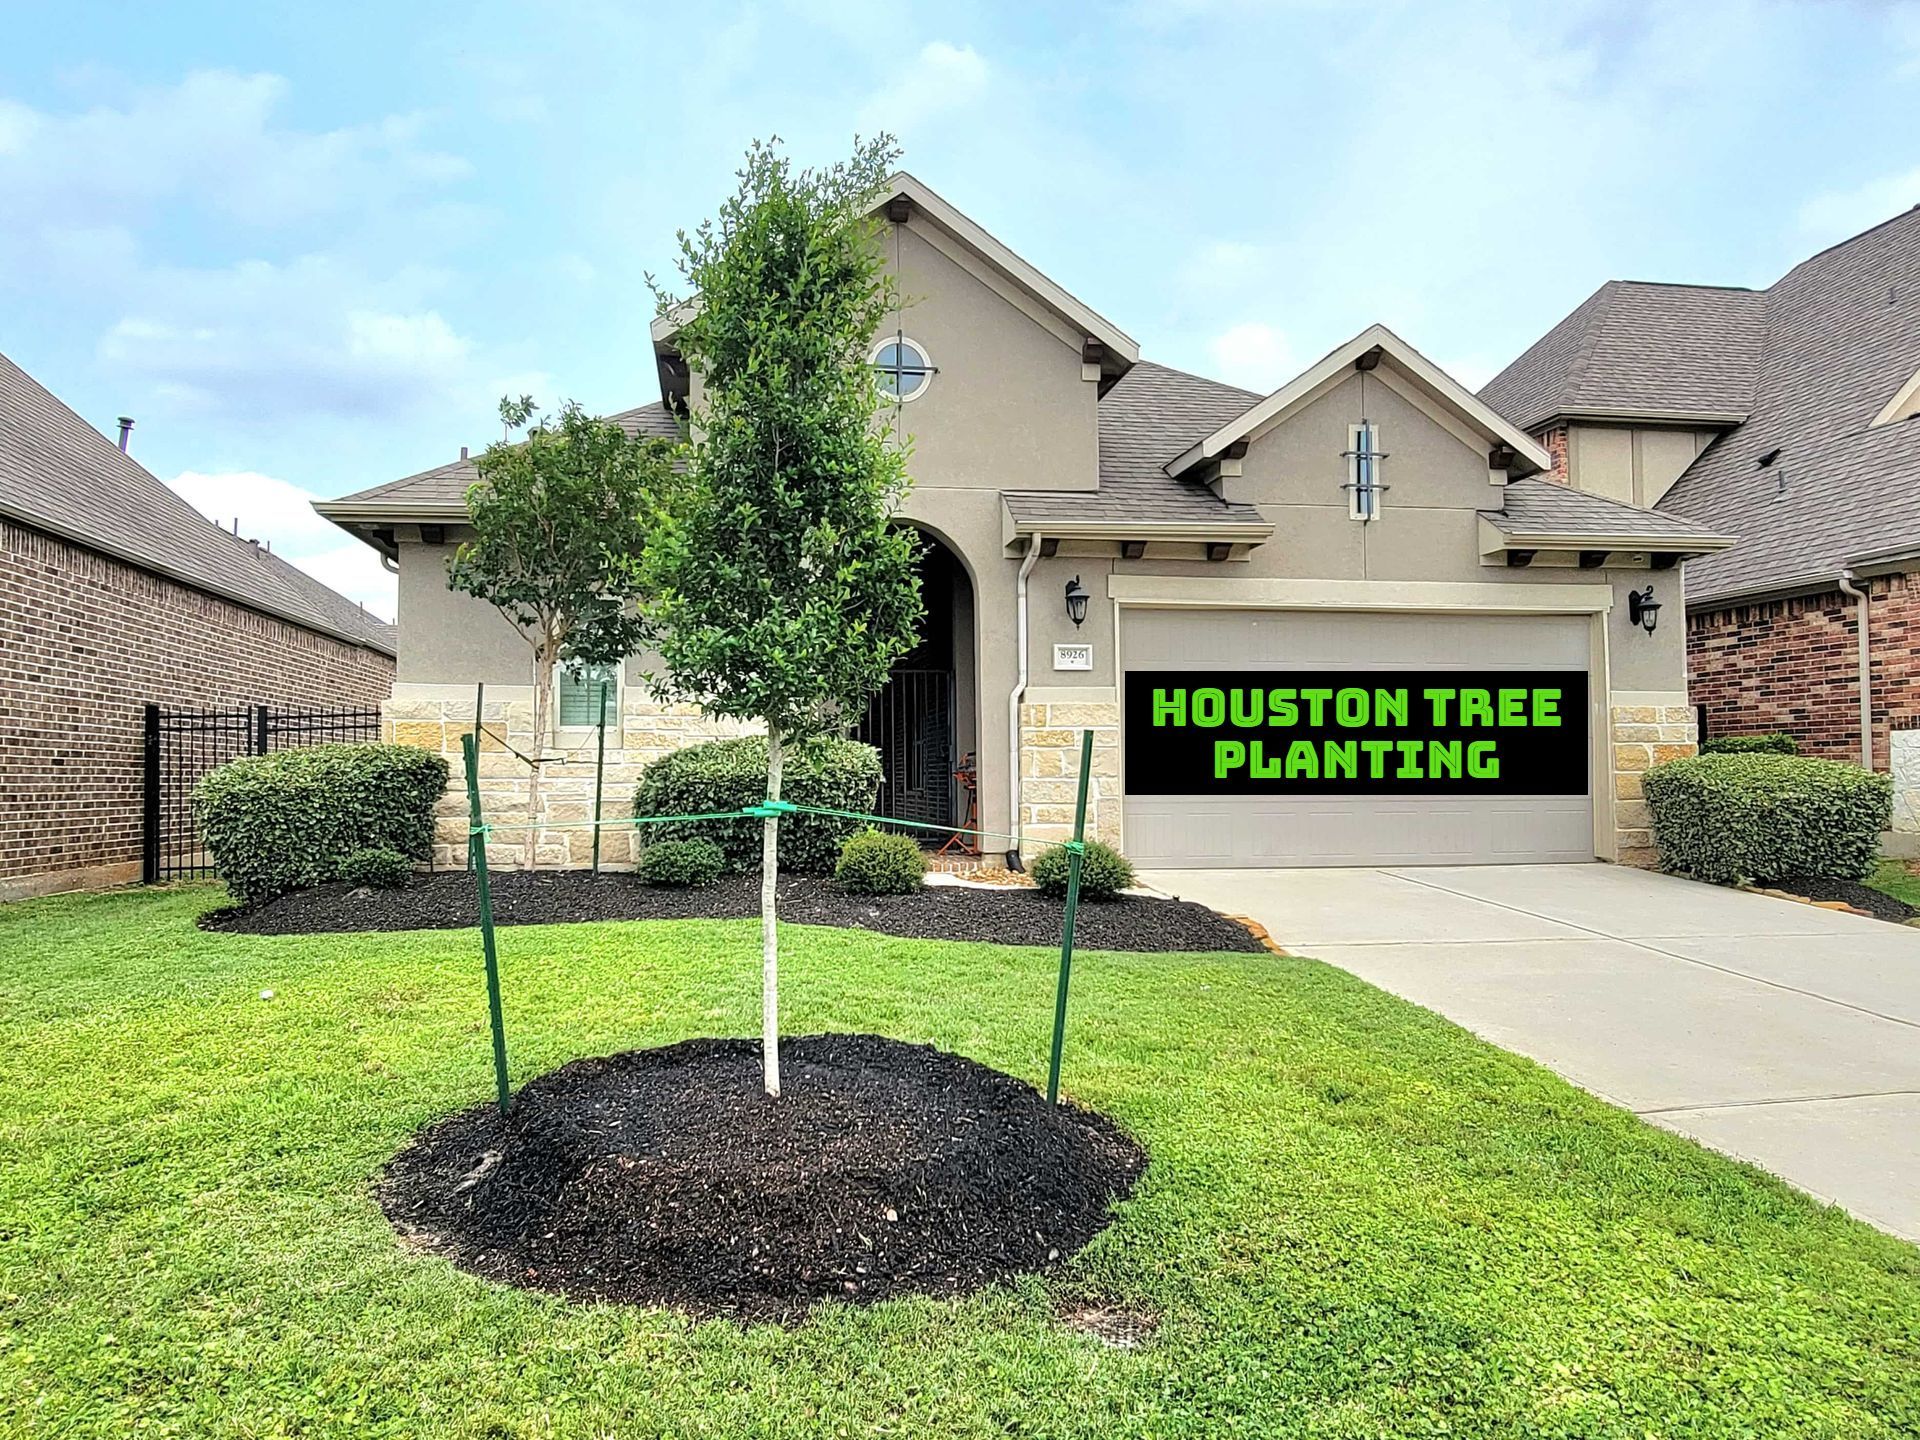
[[183, 745], [910, 723]]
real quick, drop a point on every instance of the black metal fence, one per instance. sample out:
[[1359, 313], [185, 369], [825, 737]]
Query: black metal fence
[[183, 745], [911, 724]]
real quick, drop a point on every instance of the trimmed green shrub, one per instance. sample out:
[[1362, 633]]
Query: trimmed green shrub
[[732, 774], [1774, 743], [1729, 818], [281, 822], [1104, 871], [688, 863], [880, 862], [376, 869]]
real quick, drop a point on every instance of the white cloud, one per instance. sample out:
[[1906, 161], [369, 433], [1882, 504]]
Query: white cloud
[[211, 141], [276, 511], [1253, 355], [1837, 214], [942, 78]]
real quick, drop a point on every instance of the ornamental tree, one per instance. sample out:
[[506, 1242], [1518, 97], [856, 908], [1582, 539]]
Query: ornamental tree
[[560, 521], [780, 591]]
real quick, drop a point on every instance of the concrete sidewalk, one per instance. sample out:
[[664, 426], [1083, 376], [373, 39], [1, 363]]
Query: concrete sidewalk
[[1781, 1033]]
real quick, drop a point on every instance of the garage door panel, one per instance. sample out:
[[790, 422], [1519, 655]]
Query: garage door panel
[[1354, 829]]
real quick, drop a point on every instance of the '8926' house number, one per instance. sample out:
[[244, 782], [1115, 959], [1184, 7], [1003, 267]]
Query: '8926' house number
[[1073, 657]]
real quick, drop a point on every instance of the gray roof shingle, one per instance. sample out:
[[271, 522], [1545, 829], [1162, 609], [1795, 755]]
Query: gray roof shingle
[[59, 474], [1842, 338], [444, 487], [1535, 506], [1634, 345], [1151, 414]]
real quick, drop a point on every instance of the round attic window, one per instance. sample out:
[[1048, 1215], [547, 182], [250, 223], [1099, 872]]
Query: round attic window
[[903, 367]]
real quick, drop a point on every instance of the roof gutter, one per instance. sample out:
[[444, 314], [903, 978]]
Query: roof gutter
[[1249, 532], [1015, 696], [1847, 587]]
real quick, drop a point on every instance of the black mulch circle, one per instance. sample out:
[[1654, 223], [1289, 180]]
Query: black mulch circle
[[937, 912], [669, 1177], [1876, 903]]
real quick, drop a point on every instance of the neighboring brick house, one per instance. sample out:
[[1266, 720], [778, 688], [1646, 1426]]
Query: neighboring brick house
[[114, 592], [1789, 418]]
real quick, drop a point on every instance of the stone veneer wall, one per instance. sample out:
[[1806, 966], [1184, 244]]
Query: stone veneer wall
[[1050, 769], [435, 717], [1905, 748], [1646, 730]]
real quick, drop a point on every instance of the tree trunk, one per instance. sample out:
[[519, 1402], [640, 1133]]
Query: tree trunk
[[542, 708], [769, 925]]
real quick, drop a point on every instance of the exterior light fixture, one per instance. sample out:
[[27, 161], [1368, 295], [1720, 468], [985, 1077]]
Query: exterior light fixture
[[1077, 598], [1643, 610]]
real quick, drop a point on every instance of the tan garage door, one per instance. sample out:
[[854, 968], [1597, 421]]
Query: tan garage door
[[1389, 823]]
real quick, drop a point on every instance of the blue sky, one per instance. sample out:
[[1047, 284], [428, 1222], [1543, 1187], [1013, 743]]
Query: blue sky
[[309, 247]]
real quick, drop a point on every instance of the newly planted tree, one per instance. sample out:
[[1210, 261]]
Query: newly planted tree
[[780, 590], [560, 521]]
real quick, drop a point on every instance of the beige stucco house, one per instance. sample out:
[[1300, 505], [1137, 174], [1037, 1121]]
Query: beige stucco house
[[1330, 578]]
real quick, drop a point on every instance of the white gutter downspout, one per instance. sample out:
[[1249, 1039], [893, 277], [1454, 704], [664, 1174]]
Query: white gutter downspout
[[1014, 697], [1866, 669]]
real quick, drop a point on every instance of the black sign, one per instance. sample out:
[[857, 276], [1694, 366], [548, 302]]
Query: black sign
[[1347, 732]]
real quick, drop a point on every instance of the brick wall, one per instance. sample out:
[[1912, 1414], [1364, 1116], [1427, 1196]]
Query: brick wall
[[1555, 443], [1793, 665], [85, 642]]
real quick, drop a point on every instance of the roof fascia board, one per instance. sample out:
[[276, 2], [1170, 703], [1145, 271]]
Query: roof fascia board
[[1433, 596], [1089, 321], [1046, 316], [1612, 540], [1901, 405], [1637, 414], [1308, 384], [1242, 531]]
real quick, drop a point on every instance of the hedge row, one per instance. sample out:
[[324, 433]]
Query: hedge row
[[732, 774], [281, 822], [1760, 817], [1773, 743]]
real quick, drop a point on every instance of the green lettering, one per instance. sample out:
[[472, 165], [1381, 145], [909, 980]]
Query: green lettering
[[1170, 708], [1476, 708], [1389, 707], [1342, 760], [1438, 700], [1376, 752], [1316, 706], [1303, 760], [1546, 706], [1443, 760], [1263, 766], [1245, 709], [1228, 756], [1409, 759], [1350, 708], [1209, 708], [1282, 713], [1513, 707], [1483, 763]]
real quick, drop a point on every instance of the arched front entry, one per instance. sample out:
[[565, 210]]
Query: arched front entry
[[923, 721]]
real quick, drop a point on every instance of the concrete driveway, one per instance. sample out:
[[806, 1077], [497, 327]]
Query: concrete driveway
[[1777, 1032]]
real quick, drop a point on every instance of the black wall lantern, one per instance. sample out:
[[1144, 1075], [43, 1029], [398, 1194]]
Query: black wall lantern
[[1643, 610], [1077, 598]]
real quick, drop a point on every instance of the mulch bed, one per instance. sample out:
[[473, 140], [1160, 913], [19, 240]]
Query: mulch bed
[[669, 1177], [937, 912], [1876, 903]]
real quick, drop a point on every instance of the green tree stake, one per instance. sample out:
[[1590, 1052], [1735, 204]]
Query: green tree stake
[[599, 773], [473, 780], [1076, 850], [477, 849]]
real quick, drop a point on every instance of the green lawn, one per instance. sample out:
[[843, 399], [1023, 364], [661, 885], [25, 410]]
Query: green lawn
[[1898, 879], [1359, 1221]]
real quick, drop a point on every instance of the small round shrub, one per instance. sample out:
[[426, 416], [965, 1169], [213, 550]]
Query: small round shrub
[[1774, 743], [682, 863], [1104, 871], [880, 862], [378, 868]]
